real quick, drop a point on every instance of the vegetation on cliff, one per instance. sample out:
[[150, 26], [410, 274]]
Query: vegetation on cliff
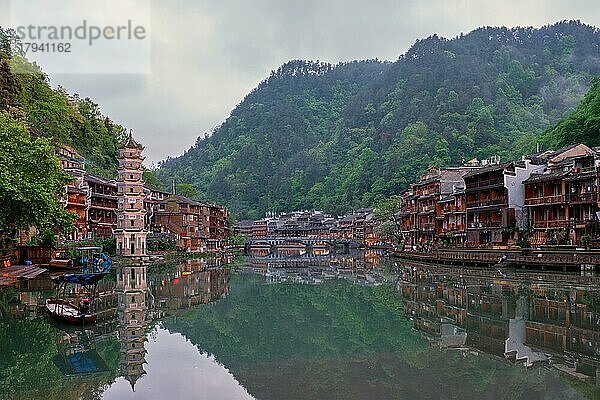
[[315, 135]]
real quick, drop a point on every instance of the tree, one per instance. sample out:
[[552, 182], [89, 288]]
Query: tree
[[31, 182], [187, 190], [386, 212], [581, 126]]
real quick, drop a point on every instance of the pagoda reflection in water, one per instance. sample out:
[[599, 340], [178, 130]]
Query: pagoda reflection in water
[[525, 319], [143, 296], [132, 297]]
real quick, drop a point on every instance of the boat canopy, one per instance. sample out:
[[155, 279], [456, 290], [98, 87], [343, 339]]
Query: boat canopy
[[88, 248], [78, 279]]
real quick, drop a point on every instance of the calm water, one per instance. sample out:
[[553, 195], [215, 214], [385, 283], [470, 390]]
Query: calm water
[[349, 327]]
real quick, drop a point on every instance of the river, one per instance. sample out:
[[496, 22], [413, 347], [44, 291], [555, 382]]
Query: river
[[355, 326]]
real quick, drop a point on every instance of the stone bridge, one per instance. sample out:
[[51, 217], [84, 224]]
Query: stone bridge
[[273, 243]]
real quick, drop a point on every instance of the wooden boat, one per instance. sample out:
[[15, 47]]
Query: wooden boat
[[67, 312], [79, 310]]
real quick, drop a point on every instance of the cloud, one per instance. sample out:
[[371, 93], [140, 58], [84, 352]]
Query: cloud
[[207, 55]]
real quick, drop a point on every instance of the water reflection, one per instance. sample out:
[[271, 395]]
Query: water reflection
[[189, 284], [133, 296], [115, 349], [307, 328], [523, 318], [363, 267]]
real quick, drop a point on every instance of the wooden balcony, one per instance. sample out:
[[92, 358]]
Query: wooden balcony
[[485, 183], [535, 201], [408, 210], [583, 198], [485, 224], [486, 202], [454, 228], [449, 208], [552, 224], [428, 227]]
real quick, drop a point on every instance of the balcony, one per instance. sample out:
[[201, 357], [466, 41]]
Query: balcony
[[485, 224], [583, 198], [427, 227], [535, 201], [104, 206], [449, 208], [485, 183], [486, 202], [453, 228], [551, 224]]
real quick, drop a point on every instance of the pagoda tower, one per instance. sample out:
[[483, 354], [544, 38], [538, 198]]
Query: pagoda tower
[[131, 215]]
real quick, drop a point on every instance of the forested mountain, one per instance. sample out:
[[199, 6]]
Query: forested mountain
[[314, 135], [581, 126], [27, 97]]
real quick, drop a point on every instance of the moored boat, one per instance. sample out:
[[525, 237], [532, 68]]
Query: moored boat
[[67, 312], [79, 308]]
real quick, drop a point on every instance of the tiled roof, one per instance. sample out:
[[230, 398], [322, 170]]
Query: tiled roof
[[99, 179], [486, 169], [534, 178], [131, 143]]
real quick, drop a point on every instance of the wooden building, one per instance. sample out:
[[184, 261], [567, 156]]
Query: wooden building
[[494, 197], [102, 207], [185, 218], [562, 200]]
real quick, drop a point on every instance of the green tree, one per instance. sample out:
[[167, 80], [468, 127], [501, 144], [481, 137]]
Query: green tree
[[187, 190], [581, 126], [31, 182], [386, 212]]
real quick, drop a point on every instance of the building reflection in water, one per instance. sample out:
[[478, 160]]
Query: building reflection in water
[[191, 283], [358, 268], [128, 306], [523, 318]]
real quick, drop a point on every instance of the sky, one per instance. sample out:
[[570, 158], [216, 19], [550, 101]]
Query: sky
[[204, 56]]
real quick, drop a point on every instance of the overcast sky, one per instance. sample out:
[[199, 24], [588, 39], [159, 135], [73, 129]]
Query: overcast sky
[[206, 55]]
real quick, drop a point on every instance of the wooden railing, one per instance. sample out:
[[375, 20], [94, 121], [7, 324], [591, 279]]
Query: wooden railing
[[491, 257], [557, 199], [550, 224], [428, 227], [583, 198], [485, 183], [486, 224], [454, 227], [486, 202]]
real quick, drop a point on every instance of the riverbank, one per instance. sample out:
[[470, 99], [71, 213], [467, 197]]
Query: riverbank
[[550, 260]]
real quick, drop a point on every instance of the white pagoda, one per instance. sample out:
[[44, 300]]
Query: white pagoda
[[131, 215]]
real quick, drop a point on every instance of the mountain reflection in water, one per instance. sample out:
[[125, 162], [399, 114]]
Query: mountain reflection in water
[[322, 328]]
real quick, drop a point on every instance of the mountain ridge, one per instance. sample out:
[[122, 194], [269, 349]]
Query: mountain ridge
[[313, 135]]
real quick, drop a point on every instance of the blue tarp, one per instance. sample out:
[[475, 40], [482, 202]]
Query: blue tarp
[[84, 362], [78, 279]]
